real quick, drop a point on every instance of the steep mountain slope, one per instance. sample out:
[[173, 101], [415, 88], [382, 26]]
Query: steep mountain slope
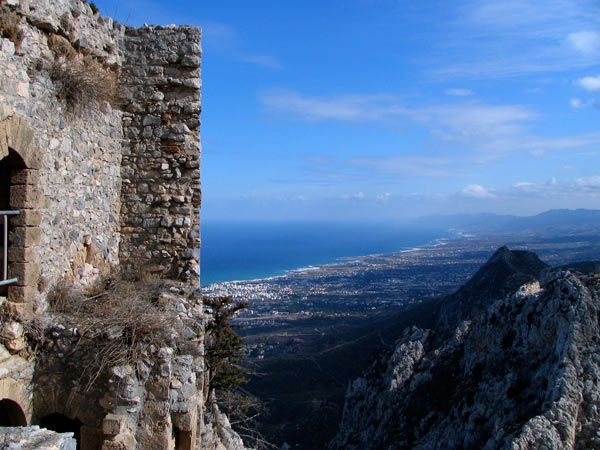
[[502, 274], [517, 373]]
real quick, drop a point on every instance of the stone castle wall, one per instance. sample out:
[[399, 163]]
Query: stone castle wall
[[112, 182], [71, 188], [108, 182], [161, 149]]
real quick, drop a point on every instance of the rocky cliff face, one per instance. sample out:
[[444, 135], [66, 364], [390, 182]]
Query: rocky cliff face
[[520, 372]]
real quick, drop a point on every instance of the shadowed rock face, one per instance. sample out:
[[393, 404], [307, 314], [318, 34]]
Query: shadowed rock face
[[504, 272], [520, 372]]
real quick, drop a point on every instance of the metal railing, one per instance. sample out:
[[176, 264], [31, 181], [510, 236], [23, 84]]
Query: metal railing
[[6, 280]]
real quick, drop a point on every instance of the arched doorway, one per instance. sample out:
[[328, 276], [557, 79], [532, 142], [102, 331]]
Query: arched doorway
[[10, 168], [11, 414], [62, 424], [20, 161]]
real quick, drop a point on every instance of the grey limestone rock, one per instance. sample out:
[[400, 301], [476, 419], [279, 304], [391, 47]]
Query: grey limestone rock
[[30, 438], [521, 373]]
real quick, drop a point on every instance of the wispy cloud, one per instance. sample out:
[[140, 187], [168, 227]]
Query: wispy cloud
[[357, 196], [519, 37], [477, 191], [409, 165], [483, 131], [464, 118], [459, 92], [579, 104], [586, 42], [353, 108], [579, 187], [221, 38]]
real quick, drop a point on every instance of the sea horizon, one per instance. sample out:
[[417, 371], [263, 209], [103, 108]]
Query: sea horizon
[[256, 250]]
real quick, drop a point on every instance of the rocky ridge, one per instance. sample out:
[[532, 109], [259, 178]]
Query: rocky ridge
[[518, 372]]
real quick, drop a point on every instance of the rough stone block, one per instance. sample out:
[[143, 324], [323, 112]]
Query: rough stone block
[[25, 236], [20, 311], [21, 294], [27, 273], [160, 388], [28, 217], [113, 424], [25, 176], [21, 254], [22, 196], [124, 441]]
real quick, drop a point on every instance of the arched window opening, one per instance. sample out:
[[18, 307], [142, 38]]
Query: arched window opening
[[9, 167], [62, 424], [11, 414]]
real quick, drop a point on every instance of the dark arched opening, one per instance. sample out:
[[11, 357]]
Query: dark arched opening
[[62, 424], [9, 167], [11, 414]]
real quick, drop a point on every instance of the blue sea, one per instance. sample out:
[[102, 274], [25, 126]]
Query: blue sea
[[252, 250]]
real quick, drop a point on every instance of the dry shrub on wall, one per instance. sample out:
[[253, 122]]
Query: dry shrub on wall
[[9, 26], [116, 321], [82, 82]]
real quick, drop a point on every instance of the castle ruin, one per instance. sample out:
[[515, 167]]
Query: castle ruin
[[100, 168]]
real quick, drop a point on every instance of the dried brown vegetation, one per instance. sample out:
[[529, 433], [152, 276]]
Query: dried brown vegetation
[[83, 82], [117, 321], [9, 26]]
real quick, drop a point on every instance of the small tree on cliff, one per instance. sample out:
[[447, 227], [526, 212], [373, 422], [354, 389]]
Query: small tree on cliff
[[224, 346]]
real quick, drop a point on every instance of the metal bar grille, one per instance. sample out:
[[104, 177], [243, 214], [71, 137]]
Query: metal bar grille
[[5, 280]]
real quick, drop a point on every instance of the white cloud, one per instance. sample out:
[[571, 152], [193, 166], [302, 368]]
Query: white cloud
[[384, 197], [537, 152], [357, 196], [509, 38], [469, 122], [577, 104], [475, 131], [592, 182], [459, 92], [476, 191], [353, 108], [590, 84], [586, 42]]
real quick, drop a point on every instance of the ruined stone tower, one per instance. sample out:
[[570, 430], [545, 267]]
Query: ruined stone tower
[[99, 169]]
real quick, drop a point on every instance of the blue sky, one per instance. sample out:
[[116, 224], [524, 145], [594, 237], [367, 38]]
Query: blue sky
[[383, 109]]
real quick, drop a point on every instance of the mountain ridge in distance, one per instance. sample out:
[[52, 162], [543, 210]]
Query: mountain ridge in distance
[[554, 219]]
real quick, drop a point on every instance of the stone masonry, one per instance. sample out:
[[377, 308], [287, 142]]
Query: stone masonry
[[161, 149], [110, 181]]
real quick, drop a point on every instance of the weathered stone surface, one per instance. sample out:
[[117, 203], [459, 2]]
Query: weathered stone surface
[[20, 294], [25, 236], [27, 217], [101, 185], [162, 86], [32, 438], [28, 274]]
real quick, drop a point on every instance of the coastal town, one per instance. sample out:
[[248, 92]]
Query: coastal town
[[366, 285]]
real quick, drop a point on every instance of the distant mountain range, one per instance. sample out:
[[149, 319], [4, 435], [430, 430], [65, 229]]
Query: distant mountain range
[[554, 220]]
